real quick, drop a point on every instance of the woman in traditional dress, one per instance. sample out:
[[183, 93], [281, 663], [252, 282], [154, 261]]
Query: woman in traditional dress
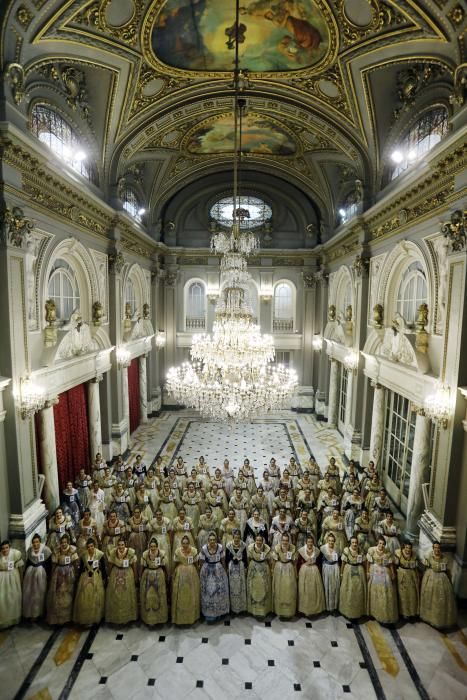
[[168, 502], [71, 504], [334, 475], [255, 526], [249, 474], [437, 601], [65, 567], [97, 506], [228, 476], [83, 483], [121, 501], [274, 473], [306, 501], [191, 500], [242, 483], [121, 604], [240, 503], [138, 532], [260, 501], [334, 523], [160, 528], [11, 568], [408, 582], [38, 562], [330, 572], [228, 525], [382, 593], [284, 499], [152, 485], [259, 580], [362, 530], [181, 471], [153, 585], [370, 492], [284, 579], [311, 599], [108, 485], [114, 528], [388, 529], [59, 524], [139, 468], [89, 603], [143, 500], [202, 469], [207, 524], [281, 523], [304, 482], [218, 481], [269, 488], [286, 482], [327, 502], [295, 471], [87, 528], [351, 511], [182, 525], [214, 583], [353, 591], [185, 585], [218, 502], [236, 561], [304, 528]]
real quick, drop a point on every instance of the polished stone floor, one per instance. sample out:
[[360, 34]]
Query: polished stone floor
[[325, 657]]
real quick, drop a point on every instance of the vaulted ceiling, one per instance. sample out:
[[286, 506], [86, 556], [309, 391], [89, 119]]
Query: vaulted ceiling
[[148, 85]]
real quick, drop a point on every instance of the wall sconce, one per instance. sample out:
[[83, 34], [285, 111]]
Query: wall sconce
[[351, 361], [265, 296], [123, 356], [317, 343], [31, 397], [439, 406], [160, 340]]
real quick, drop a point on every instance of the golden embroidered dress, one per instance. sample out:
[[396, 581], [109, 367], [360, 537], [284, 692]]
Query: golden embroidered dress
[[191, 504], [57, 529], [284, 581], [185, 588], [121, 604], [85, 531], [353, 590], [168, 505], [162, 531], [382, 594], [89, 602], [153, 588], [362, 531], [310, 585], [35, 581], [437, 601], [62, 586], [259, 581], [226, 530], [10, 588], [261, 503], [181, 528], [214, 583], [407, 584], [329, 525], [207, 524], [112, 532], [331, 576], [218, 503], [241, 507], [236, 560], [305, 528], [138, 537]]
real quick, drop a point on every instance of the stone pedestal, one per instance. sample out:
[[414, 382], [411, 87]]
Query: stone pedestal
[[420, 465], [94, 416], [333, 388], [143, 390], [49, 456], [377, 426]]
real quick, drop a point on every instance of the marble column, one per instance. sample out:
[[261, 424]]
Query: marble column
[[126, 398], [420, 465], [333, 387], [377, 425], [49, 455], [143, 390], [94, 416]]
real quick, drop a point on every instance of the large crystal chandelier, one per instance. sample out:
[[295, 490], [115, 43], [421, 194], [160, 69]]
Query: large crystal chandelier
[[232, 375]]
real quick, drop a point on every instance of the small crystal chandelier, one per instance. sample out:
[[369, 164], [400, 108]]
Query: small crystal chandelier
[[31, 397], [439, 406]]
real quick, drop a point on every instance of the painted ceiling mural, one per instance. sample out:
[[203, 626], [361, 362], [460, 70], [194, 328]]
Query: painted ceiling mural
[[260, 135], [275, 35], [148, 86]]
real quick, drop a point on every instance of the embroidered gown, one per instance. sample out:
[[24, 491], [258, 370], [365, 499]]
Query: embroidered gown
[[353, 591], [310, 585], [153, 589], [284, 581], [331, 576], [121, 604], [185, 588], [259, 581], [35, 581], [180, 529], [10, 588], [437, 601], [226, 529], [236, 560], [252, 529], [162, 531], [214, 583], [89, 603], [62, 586], [407, 585], [382, 594], [206, 525]]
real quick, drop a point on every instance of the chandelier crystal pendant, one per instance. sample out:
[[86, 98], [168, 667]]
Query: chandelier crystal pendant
[[232, 375]]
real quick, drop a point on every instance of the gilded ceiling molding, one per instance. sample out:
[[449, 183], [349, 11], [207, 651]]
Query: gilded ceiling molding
[[94, 17], [14, 73], [383, 17]]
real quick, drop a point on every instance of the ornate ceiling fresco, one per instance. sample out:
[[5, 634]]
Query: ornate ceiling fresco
[[148, 84]]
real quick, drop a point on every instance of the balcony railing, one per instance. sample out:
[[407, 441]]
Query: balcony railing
[[195, 324], [283, 325]]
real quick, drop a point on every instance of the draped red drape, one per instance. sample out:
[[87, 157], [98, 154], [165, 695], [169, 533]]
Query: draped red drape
[[71, 433], [133, 393]]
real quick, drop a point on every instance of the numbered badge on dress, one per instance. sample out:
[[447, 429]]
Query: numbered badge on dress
[[189, 560], [67, 560], [117, 530], [289, 556], [171, 497], [442, 567], [186, 526], [95, 564], [163, 530], [141, 528], [157, 561], [11, 565], [359, 559], [145, 499], [261, 556], [85, 483], [72, 498], [40, 557], [126, 563], [335, 556], [61, 529]]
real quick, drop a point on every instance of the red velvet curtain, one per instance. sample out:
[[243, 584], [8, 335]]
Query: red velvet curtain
[[71, 433], [133, 393]]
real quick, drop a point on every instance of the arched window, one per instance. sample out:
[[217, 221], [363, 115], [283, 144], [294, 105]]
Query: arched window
[[130, 298], [63, 289], [131, 204], [412, 292], [283, 319], [427, 131], [195, 317], [55, 132]]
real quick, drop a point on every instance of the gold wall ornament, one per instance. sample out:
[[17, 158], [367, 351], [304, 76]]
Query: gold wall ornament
[[456, 15], [455, 230], [15, 75], [128, 311], [50, 331], [331, 312], [15, 227], [24, 16], [460, 85], [94, 17], [360, 266], [116, 262], [378, 316], [421, 335], [97, 313], [309, 280], [348, 314], [412, 80], [50, 312]]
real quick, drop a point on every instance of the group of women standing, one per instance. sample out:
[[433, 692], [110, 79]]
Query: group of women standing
[[178, 547]]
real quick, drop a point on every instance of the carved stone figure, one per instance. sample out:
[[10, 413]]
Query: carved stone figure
[[50, 312], [128, 311], [15, 227], [146, 311], [332, 312], [348, 313], [378, 315], [116, 262], [97, 313]]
